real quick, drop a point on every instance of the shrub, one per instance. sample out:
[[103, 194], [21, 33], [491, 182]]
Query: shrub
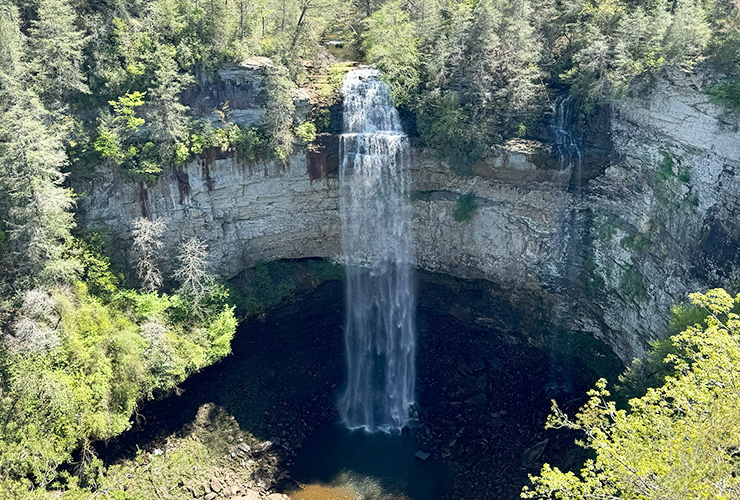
[[323, 120], [679, 439], [112, 351], [306, 132], [465, 207], [726, 94]]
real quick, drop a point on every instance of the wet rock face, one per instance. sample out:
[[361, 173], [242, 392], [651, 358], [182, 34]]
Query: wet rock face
[[608, 258]]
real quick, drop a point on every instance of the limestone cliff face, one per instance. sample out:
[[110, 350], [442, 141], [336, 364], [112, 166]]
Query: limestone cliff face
[[515, 236], [245, 212], [664, 217], [608, 256]]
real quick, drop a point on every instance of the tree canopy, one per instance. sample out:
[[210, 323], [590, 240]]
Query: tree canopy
[[679, 439]]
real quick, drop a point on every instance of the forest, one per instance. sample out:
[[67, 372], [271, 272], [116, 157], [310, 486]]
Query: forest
[[86, 339]]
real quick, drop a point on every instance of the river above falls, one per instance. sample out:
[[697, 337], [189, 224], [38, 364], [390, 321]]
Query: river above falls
[[483, 394]]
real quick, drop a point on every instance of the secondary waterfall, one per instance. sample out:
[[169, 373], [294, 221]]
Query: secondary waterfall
[[567, 139], [379, 333]]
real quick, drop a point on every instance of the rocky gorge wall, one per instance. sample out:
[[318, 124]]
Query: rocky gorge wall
[[607, 256], [664, 215]]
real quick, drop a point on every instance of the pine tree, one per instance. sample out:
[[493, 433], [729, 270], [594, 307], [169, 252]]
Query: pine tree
[[165, 113], [56, 47]]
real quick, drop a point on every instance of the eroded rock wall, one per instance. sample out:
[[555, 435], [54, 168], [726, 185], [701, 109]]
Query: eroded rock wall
[[247, 213], [664, 215]]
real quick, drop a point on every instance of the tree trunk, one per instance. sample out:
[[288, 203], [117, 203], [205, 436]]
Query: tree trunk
[[300, 23]]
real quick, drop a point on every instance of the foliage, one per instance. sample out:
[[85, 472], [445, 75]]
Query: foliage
[[465, 207], [124, 111], [468, 69], [306, 132], [107, 353], [726, 94], [141, 57], [329, 90], [279, 89], [389, 41], [478, 72], [265, 285], [676, 441], [36, 220], [55, 52]]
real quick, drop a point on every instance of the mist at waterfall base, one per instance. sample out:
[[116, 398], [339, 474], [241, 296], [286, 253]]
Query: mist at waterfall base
[[377, 251]]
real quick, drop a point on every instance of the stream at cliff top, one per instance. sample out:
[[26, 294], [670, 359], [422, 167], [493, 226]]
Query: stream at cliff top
[[482, 397]]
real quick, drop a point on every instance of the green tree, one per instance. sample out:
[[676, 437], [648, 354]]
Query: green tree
[[280, 109], [56, 47], [12, 44], [390, 41], [37, 217], [166, 114], [679, 440]]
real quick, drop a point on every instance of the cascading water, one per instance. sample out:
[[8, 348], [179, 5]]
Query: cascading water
[[376, 241], [567, 140]]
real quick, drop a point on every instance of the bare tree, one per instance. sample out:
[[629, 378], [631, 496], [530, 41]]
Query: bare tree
[[146, 247], [196, 280], [36, 327]]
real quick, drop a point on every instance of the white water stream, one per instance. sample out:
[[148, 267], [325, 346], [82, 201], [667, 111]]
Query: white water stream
[[380, 332]]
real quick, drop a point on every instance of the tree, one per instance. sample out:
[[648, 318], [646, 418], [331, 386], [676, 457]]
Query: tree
[[390, 41], [146, 246], [166, 114], [37, 220], [280, 110], [35, 328], [56, 51], [196, 281], [679, 440], [12, 43], [37, 208]]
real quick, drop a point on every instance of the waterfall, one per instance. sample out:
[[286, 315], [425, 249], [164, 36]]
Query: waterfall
[[567, 140], [377, 246]]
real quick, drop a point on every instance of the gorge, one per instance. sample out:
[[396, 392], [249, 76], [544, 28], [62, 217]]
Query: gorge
[[554, 255], [369, 249]]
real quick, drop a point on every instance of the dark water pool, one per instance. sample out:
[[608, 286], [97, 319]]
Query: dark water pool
[[483, 396], [377, 466]]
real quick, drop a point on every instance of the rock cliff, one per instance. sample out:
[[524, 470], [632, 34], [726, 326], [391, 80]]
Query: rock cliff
[[664, 215], [609, 255]]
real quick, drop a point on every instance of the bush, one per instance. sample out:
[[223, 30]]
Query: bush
[[115, 349], [445, 126], [323, 121], [678, 440], [306, 132], [726, 94], [249, 143], [465, 207], [329, 92]]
